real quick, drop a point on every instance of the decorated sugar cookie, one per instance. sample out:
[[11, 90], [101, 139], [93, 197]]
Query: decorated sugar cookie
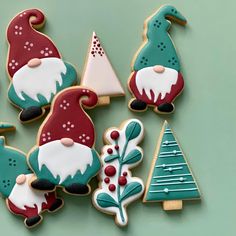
[[64, 155], [117, 187], [156, 79], [171, 180], [14, 187], [99, 74], [34, 65]]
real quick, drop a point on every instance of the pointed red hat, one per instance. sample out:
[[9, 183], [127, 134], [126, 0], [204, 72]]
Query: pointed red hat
[[25, 42], [68, 119]]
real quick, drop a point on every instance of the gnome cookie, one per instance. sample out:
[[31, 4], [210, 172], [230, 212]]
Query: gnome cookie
[[64, 155], [14, 187], [34, 65], [156, 79]]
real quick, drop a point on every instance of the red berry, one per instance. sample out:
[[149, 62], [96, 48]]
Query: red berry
[[112, 187], [122, 180], [117, 147], [124, 173], [109, 151], [115, 135], [107, 180], [110, 170]]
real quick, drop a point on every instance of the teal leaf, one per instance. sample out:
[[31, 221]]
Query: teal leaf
[[132, 131], [133, 157], [111, 158], [104, 200], [130, 190]]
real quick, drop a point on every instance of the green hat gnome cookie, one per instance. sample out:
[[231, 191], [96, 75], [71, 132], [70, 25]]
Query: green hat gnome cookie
[[14, 187], [156, 79], [34, 65]]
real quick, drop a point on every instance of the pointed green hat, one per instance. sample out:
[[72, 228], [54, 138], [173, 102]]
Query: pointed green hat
[[159, 48], [12, 163]]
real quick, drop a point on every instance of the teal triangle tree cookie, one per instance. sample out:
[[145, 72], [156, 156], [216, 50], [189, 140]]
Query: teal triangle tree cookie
[[6, 127], [170, 180], [156, 79]]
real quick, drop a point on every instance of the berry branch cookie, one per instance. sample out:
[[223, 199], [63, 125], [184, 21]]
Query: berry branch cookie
[[117, 187]]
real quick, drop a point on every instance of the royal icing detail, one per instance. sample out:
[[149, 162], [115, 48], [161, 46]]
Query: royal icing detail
[[98, 73], [64, 155], [34, 65], [14, 186], [170, 176], [48, 73], [117, 187], [156, 79]]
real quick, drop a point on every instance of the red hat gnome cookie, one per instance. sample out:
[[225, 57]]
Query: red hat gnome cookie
[[156, 79], [64, 155], [99, 74], [14, 187], [34, 65]]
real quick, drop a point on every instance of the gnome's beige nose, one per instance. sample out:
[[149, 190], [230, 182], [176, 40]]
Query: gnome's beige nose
[[68, 142], [34, 62], [159, 69], [20, 179]]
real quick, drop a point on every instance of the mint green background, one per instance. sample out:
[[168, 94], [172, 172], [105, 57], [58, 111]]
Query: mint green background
[[204, 120]]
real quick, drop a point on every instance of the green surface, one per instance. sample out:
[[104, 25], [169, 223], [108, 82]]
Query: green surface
[[204, 120]]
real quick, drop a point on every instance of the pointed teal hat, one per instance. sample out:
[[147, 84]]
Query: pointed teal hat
[[12, 163], [159, 48]]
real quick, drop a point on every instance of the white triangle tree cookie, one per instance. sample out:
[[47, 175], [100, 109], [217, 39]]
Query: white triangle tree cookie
[[99, 74]]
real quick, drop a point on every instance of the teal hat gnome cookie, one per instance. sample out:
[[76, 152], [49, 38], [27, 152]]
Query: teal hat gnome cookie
[[156, 79], [171, 180], [35, 67], [117, 188], [64, 155], [14, 187]]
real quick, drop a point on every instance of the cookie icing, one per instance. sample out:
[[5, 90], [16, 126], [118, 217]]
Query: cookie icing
[[45, 78], [158, 48], [98, 73], [58, 162], [117, 187], [156, 79], [25, 42], [64, 155], [170, 176], [34, 65], [22, 195], [21, 199], [160, 84]]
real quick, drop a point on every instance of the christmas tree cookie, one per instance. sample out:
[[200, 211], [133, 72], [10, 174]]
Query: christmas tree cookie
[[156, 79], [35, 67], [171, 180], [117, 187], [64, 155], [14, 187], [99, 74]]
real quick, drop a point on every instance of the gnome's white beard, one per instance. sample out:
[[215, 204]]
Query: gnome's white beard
[[64, 161], [22, 195], [159, 83], [41, 80]]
